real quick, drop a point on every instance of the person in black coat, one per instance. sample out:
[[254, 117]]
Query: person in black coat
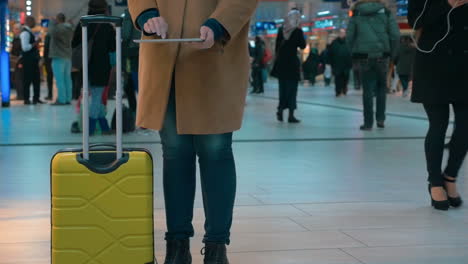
[[287, 67], [311, 66], [404, 62], [441, 80], [103, 36], [258, 66], [341, 62]]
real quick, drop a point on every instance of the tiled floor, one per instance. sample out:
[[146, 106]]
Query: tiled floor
[[321, 192]]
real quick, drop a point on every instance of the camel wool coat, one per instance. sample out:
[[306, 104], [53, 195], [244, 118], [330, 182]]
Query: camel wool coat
[[210, 85]]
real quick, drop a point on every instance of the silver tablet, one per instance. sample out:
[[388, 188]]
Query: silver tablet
[[168, 40]]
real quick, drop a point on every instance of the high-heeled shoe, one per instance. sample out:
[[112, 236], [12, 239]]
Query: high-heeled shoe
[[438, 205], [455, 202]]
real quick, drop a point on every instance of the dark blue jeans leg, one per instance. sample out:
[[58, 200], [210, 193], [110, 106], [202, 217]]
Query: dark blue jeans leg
[[218, 180], [381, 67], [179, 177], [369, 83]]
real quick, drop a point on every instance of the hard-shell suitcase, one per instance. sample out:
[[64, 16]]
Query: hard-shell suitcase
[[102, 196]]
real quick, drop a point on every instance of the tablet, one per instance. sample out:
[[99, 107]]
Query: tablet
[[168, 40]]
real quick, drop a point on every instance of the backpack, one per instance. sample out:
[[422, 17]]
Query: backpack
[[267, 56]]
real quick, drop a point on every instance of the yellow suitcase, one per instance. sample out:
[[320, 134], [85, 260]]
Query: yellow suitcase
[[102, 196]]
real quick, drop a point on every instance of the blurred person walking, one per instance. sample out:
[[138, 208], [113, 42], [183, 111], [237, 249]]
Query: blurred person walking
[[311, 66], [103, 40], [16, 62], [405, 62], [441, 80], [374, 37], [48, 68], [30, 59], [194, 94], [340, 59], [327, 74], [357, 75], [131, 51], [287, 67], [258, 65], [61, 36]]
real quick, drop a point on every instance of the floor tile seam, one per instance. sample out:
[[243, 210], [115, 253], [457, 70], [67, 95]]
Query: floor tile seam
[[275, 250], [323, 203], [304, 211], [158, 142], [31, 217], [353, 238], [26, 242], [345, 108], [256, 199], [299, 224], [353, 257], [383, 228], [461, 246]]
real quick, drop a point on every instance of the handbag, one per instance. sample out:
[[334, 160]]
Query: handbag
[[77, 52]]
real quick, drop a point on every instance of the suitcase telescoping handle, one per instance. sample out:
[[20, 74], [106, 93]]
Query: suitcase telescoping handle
[[117, 21]]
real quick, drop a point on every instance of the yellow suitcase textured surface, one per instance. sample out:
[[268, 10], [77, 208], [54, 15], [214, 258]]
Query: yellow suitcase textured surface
[[102, 217]]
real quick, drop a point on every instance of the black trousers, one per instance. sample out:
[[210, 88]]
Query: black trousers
[[439, 116], [130, 92], [77, 81], [341, 83], [288, 94], [50, 77], [404, 79], [32, 76], [257, 76]]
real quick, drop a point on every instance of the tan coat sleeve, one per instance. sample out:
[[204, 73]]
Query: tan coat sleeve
[[234, 14], [136, 7]]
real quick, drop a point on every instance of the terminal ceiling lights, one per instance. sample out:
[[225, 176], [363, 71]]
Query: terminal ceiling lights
[[28, 7]]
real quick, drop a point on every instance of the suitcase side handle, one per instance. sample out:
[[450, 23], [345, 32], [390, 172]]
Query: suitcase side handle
[[86, 20]]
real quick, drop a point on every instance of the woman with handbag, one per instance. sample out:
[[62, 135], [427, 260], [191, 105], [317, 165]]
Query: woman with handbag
[[287, 67], [440, 80]]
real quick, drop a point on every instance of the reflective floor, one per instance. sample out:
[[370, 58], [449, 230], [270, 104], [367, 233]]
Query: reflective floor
[[321, 192]]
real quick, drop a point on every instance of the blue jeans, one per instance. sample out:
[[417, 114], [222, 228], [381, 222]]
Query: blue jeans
[[218, 180], [96, 108], [62, 73], [374, 81]]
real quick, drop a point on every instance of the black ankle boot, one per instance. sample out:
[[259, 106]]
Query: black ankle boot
[[292, 119], [178, 252], [215, 254], [279, 116]]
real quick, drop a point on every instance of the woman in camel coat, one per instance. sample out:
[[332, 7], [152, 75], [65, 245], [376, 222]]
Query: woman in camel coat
[[194, 94]]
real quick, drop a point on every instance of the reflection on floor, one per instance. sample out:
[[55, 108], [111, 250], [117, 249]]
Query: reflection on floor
[[321, 192]]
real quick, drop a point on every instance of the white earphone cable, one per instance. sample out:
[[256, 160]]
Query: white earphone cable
[[449, 28]]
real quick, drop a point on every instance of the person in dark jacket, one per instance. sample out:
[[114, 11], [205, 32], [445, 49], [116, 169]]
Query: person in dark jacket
[[258, 66], [374, 37], [311, 66], [48, 68], [341, 62], [287, 67], [440, 80], [405, 62], [31, 56], [99, 64]]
